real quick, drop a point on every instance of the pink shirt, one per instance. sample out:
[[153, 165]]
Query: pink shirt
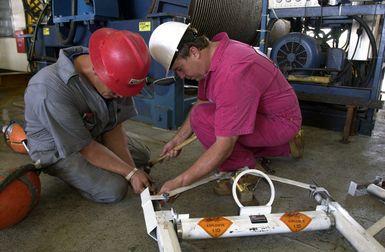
[[243, 83]]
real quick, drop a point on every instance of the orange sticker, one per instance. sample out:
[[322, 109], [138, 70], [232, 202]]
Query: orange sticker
[[296, 221], [215, 226]]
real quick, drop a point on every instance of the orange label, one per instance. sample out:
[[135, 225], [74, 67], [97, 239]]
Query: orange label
[[296, 221], [215, 226]]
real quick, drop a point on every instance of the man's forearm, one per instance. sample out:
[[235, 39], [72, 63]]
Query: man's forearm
[[116, 141], [100, 156]]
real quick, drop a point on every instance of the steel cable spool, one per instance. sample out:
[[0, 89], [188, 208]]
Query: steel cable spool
[[240, 19]]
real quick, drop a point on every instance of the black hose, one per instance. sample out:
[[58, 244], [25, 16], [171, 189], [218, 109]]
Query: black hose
[[71, 34], [270, 25], [34, 36], [16, 174], [374, 49]]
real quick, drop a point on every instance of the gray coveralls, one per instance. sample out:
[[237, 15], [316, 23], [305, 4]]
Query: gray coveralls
[[63, 114]]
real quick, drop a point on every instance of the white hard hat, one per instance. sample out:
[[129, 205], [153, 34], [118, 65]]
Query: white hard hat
[[164, 42]]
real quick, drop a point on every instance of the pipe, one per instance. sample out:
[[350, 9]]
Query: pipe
[[71, 34], [361, 240], [239, 226]]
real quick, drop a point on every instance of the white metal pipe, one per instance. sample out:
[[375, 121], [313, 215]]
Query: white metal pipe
[[239, 226], [353, 231], [166, 236], [376, 191]]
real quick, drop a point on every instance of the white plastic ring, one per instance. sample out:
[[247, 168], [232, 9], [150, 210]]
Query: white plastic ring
[[256, 173]]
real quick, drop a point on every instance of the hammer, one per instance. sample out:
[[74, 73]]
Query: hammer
[[189, 140]]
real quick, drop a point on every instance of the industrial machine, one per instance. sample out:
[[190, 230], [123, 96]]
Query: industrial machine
[[166, 100], [332, 54], [330, 51]]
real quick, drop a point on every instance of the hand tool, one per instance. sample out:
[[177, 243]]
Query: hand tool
[[151, 163]]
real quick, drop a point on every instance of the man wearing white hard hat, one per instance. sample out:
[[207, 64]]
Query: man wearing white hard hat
[[74, 110], [245, 107]]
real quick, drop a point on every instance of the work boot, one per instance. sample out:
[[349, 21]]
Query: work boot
[[297, 145], [224, 186], [247, 198]]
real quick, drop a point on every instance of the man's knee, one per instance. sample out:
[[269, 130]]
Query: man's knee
[[92, 182], [111, 192]]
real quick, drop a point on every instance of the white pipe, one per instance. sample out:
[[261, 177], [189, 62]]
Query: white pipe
[[159, 225], [352, 231], [166, 236], [238, 226], [376, 191]]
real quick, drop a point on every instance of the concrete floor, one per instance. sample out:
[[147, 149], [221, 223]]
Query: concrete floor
[[64, 221]]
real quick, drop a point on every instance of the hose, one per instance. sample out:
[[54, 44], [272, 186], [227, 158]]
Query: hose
[[372, 40], [16, 174], [71, 34], [269, 27], [34, 35]]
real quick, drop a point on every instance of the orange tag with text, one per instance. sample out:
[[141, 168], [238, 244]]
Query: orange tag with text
[[296, 221], [215, 226]]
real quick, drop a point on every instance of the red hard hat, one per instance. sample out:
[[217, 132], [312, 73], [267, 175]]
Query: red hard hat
[[120, 59]]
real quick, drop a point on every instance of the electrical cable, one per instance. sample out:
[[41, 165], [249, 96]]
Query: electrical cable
[[17, 174], [373, 44], [72, 30], [269, 27], [34, 35]]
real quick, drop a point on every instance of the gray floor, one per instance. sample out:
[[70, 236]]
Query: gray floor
[[64, 221]]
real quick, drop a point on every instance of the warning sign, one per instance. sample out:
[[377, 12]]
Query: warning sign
[[296, 221], [215, 226], [144, 26], [46, 31]]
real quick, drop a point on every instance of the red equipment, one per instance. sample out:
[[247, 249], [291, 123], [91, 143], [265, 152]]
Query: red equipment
[[15, 137], [19, 193]]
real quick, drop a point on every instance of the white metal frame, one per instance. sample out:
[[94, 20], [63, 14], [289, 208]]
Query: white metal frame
[[165, 226]]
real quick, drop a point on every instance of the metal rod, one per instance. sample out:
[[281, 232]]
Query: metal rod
[[185, 188]]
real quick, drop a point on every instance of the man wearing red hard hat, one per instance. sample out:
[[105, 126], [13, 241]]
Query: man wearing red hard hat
[[74, 110]]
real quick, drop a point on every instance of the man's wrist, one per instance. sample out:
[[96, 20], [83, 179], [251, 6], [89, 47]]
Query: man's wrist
[[131, 173]]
